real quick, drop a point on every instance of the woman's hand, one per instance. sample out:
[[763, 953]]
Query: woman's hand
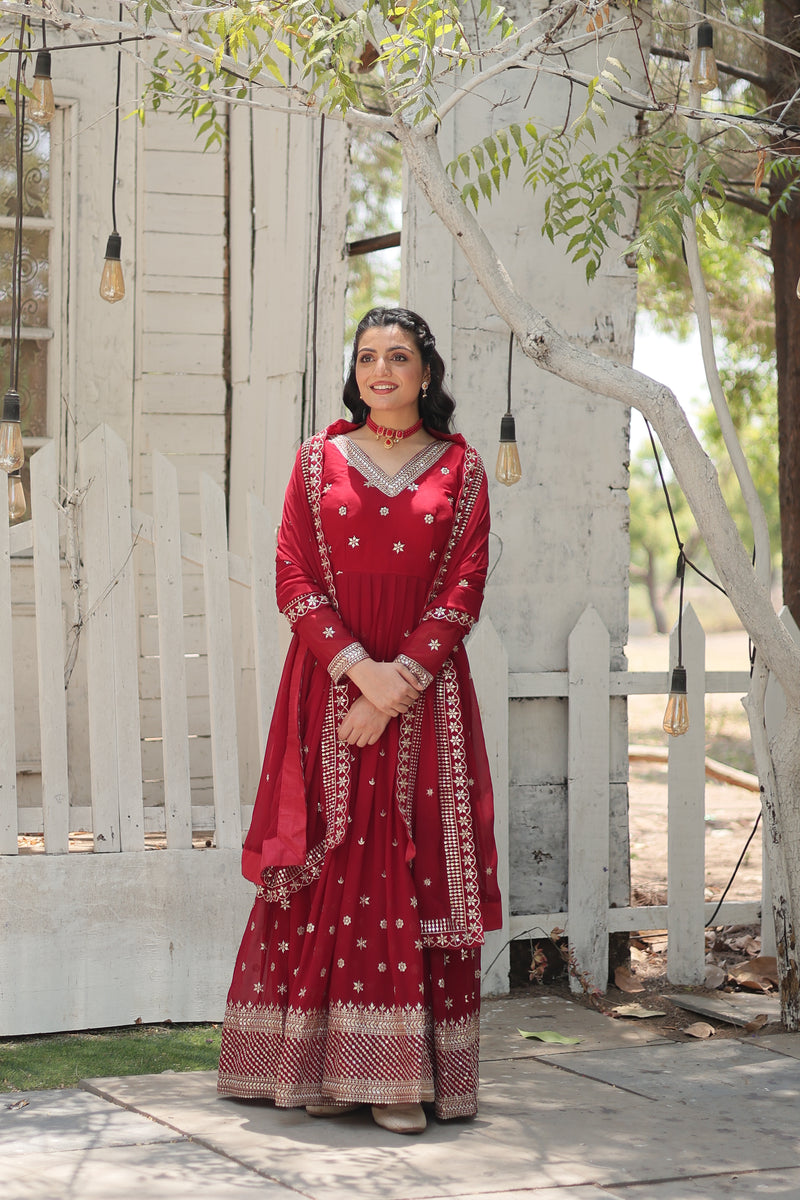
[[363, 724], [388, 685]]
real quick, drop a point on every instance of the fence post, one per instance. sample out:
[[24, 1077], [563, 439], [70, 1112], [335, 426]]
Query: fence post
[[774, 711], [171, 655], [50, 650], [686, 786], [110, 631], [489, 666], [588, 654], [8, 749], [221, 681], [266, 653]]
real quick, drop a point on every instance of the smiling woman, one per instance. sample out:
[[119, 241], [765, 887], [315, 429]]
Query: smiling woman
[[358, 980]]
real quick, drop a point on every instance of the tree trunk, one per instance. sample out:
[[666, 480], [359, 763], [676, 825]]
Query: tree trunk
[[782, 24]]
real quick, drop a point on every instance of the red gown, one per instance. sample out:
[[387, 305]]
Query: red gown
[[358, 977]]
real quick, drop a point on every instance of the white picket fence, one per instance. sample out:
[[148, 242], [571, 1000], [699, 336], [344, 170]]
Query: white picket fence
[[95, 939]]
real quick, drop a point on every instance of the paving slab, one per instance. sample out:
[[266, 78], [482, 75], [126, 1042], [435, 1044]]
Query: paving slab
[[778, 1043], [502, 1019], [730, 1079], [540, 1126], [737, 1008], [69, 1119], [765, 1185], [171, 1171]]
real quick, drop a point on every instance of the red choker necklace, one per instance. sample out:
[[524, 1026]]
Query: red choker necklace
[[391, 436]]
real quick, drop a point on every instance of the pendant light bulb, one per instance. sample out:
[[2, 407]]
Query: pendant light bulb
[[509, 469], [676, 718], [16, 497], [42, 108], [704, 65], [12, 454], [112, 284]]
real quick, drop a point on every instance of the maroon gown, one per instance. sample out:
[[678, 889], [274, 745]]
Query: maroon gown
[[358, 977]]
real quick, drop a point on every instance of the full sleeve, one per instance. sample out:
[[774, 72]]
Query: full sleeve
[[456, 602], [303, 596]]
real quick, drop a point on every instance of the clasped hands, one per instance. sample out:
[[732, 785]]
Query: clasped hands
[[388, 689]]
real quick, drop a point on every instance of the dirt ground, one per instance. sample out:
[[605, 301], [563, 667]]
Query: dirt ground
[[731, 812]]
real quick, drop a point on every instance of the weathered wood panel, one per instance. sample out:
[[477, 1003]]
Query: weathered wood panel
[[111, 644], [185, 313], [50, 649], [588, 659], [221, 685], [172, 392], [192, 353], [179, 173], [183, 214], [8, 746], [489, 666], [175, 723]]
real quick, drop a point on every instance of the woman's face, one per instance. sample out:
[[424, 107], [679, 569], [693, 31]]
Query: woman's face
[[389, 375]]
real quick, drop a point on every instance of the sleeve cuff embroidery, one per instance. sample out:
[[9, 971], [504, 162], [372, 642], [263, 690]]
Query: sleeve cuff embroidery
[[298, 608], [454, 615], [341, 663], [420, 674]]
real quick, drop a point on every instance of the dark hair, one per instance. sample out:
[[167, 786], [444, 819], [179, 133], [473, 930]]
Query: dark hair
[[436, 405]]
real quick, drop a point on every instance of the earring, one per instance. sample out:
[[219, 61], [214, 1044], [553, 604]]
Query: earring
[[425, 388]]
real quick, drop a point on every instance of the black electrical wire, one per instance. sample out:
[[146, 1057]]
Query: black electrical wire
[[116, 136], [16, 260], [710, 921], [315, 313], [681, 552]]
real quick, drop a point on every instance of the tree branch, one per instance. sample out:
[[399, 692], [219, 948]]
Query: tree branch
[[555, 353], [735, 72]]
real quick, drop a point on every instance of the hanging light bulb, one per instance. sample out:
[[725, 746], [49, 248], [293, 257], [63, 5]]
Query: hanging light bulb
[[676, 718], [16, 497], [704, 65], [112, 284], [509, 468], [42, 108], [12, 455]]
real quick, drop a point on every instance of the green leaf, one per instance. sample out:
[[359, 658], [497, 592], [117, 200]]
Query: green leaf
[[549, 1036]]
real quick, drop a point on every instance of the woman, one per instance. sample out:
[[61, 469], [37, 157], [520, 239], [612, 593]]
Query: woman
[[358, 980]]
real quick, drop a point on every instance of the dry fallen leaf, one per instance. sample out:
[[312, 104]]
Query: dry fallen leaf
[[715, 976], [757, 1023], [700, 1029], [18, 1104], [756, 975], [760, 165], [626, 980], [549, 1036], [636, 1010]]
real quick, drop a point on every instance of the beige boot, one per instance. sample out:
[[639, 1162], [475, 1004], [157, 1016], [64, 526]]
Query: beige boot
[[399, 1118]]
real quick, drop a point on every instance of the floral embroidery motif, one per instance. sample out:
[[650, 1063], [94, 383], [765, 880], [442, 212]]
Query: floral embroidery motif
[[328, 631], [398, 547], [454, 615], [428, 518], [354, 541], [384, 511], [301, 605], [342, 510], [433, 644]]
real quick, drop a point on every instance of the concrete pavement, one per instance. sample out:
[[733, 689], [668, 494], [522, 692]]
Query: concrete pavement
[[622, 1115]]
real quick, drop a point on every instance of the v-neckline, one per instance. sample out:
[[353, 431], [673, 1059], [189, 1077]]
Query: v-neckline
[[375, 476]]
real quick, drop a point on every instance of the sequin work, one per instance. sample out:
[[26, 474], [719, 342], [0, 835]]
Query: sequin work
[[358, 977]]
